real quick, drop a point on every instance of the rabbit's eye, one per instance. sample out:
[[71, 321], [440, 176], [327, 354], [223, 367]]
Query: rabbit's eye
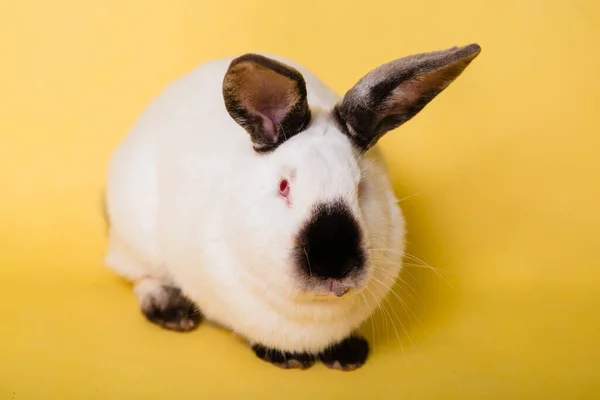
[[284, 188]]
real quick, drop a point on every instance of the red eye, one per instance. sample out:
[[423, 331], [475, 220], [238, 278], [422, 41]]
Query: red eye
[[284, 188]]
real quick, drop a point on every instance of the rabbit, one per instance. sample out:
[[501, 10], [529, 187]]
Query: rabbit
[[249, 194]]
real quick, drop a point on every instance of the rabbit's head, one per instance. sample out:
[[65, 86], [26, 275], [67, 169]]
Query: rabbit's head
[[312, 194]]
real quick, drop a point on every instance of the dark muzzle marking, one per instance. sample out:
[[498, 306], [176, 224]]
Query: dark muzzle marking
[[329, 244]]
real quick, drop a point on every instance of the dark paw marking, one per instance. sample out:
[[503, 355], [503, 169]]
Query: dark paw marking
[[284, 359], [349, 354], [172, 310]]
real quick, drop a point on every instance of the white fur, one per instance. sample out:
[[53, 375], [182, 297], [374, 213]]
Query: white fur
[[191, 204]]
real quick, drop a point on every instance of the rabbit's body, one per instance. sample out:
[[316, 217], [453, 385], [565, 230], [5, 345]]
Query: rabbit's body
[[195, 221], [173, 149]]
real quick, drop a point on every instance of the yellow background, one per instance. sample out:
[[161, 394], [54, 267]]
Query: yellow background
[[503, 170]]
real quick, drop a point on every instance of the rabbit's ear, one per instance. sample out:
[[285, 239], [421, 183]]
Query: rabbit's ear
[[266, 98], [392, 94]]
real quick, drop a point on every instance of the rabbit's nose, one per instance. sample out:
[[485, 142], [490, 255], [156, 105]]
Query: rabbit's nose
[[329, 245]]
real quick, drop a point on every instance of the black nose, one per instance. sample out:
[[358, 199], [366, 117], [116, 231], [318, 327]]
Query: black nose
[[329, 244]]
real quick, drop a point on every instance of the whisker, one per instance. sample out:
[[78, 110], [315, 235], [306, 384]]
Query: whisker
[[308, 262], [405, 271], [382, 307], [410, 265], [403, 282], [371, 318], [402, 302], [393, 263], [373, 314], [406, 198], [389, 251], [402, 325], [417, 259], [414, 258], [400, 280]]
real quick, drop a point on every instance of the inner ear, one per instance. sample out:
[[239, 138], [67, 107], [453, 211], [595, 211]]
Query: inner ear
[[267, 98]]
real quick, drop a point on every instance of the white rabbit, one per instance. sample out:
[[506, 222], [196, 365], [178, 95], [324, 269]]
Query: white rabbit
[[250, 194]]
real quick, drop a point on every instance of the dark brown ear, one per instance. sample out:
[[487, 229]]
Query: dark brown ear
[[392, 94], [266, 98]]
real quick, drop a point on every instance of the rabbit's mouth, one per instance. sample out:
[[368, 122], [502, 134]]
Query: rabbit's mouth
[[333, 287], [315, 287], [337, 288]]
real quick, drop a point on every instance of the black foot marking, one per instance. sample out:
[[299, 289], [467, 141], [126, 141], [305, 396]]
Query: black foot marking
[[172, 310], [284, 359], [349, 354]]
